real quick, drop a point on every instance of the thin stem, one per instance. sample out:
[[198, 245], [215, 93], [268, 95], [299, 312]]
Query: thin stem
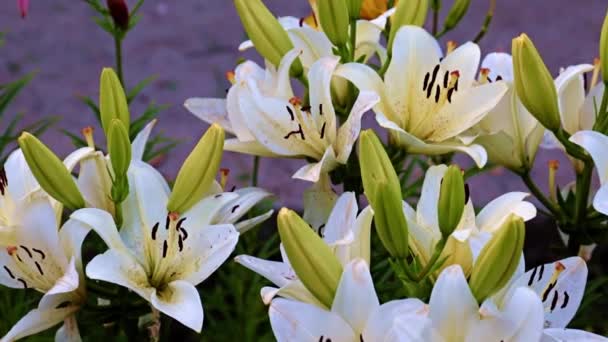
[[118, 54], [353, 39], [256, 167], [583, 184], [486, 22], [427, 268], [525, 176]]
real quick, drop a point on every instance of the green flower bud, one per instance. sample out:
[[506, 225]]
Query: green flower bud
[[452, 199], [411, 12], [313, 261], [198, 171], [534, 84], [456, 253], [267, 35], [333, 15], [50, 172], [119, 148], [498, 259], [112, 100], [354, 8], [458, 10], [383, 191], [604, 49]]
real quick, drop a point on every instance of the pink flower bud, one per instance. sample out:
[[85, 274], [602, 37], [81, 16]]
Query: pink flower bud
[[23, 5]]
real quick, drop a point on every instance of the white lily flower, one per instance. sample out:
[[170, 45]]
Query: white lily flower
[[319, 200], [47, 259], [246, 199], [269, 121], [596, 144], [158, 255], [510, 134], [427, 102], [577, 110], [347, 234], [476, 229], [356, 314]]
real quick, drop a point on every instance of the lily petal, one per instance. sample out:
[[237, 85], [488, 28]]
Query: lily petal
[[180, 300], [312, 172], [349, 131], [595, 143], [500, 64], [400, 320], [38, 320], [138, 146], [570, 335], [319, 200], [235, 209], [571, 95], [338, 229], [295, 321], [279, 273], [102, 223], [210, 110], [248, 147], [493, 215], [355, 296]]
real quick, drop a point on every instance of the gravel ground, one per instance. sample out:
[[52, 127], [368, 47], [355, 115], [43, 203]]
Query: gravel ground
[[191, 43]]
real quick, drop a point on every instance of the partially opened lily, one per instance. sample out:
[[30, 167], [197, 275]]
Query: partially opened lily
[[47, 259], [269, 121], [476, 229], [426, 101], [509, 133], [161, 256], [356, 314], [596, 144], [346, 232]]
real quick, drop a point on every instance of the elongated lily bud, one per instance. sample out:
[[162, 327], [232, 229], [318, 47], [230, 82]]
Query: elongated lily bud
[[112, 100], [498, 259], [412, 12], [354, 8], [119, 12], [312, 260], [267, 35], [458, 10], [119, 148], [198, 171], [604, 49], [452, 199], [333, 15], [50, 172], [534, 84], [383, 191]]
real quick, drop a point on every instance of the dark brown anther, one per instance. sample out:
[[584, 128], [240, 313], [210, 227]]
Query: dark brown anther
[[450, 92], [165, 246], [180, 243], [179, 223], [42, 255], [167, 222], [3, 181], [39, 268], [320, 109], [184, 233], [437, 92], [305, 108], [154, 230], [299, 131], [429, 90], [445, 78], [234, 208], [290, 113], [323, 130], [9, 272], [27, 251], [22, 282], [467, 192], [566, 299], [426, 81]]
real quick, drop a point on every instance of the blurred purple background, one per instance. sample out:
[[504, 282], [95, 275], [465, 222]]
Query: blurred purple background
[[190, 44]]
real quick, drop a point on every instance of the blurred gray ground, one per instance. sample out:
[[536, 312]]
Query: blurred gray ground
[[190, 44]]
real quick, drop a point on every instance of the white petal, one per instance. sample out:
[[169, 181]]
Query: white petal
[[246, 225], [21, 181], [427, 205], [595, 143], [102, 223], [451, 304], [570, 335], [493, 215], [138, 146], [500, 64], [399, 320], [319, 200], [571, 95], [206, 252], [210, 110], [151, 191], [75, 157], [248, 147], [206, 210], [367, 79], [592, 101], [415, 52], [121, 268], [279, 273], [180, 300], [312, 172], [561, 298], [71, 236], [313, 44], [68, 282], [294, 321], [338, 229], [36, 321], [360, 246], [320, 76], [355, 296], [294, 290], [349, 131], [235, 209], [94, 182], [600, 201], [465, 110], [464, 59]]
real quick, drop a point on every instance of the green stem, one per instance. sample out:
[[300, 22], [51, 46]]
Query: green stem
[[256, 167], [554, 209], [118, 53], [583, 185], [427, 268], [353, 39]]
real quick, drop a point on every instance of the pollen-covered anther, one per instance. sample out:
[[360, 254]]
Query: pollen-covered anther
[[554, 164], [295, 101], [483, 75], [450, 46], [224, 172], [230, 77], [11, 250], [596, 73], [173, 216], [87, 133], [559, 267]]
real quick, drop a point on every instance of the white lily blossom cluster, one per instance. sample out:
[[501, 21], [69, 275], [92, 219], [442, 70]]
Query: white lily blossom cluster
[[390, 246]]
